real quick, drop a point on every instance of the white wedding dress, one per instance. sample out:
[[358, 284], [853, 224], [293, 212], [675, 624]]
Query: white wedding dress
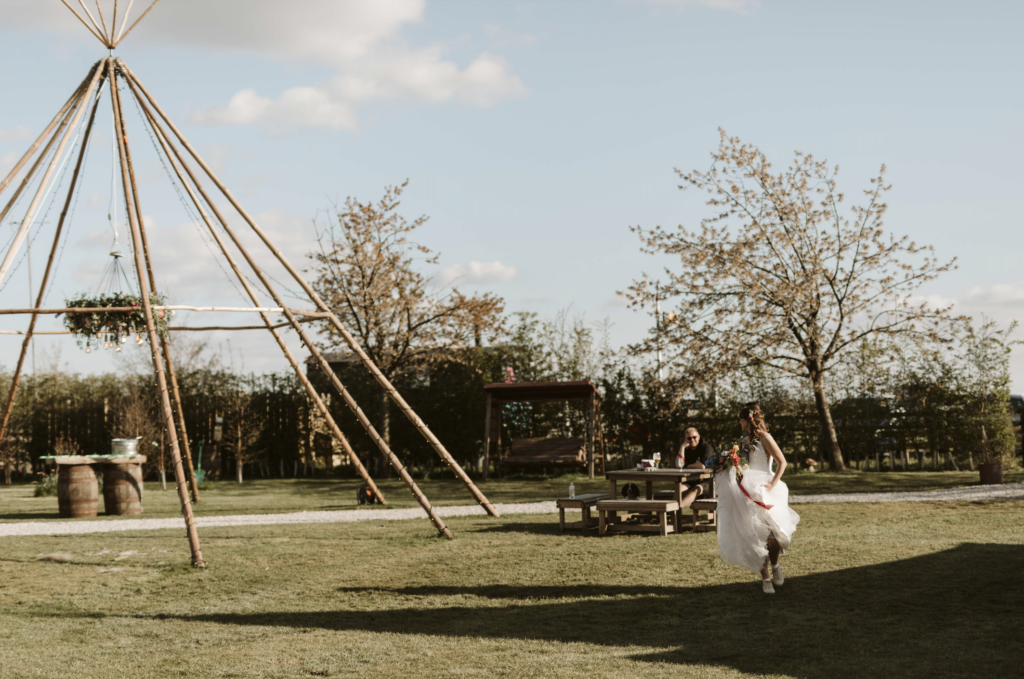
[[743, 525]]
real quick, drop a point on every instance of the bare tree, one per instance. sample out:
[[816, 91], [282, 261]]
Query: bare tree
[[367, 271], [781, 275]]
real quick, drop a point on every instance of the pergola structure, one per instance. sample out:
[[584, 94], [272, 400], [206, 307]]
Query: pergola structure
[[51, 149], [500, 393]]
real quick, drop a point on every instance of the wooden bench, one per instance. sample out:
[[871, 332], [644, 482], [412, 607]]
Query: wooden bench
[[581, 502], [608, 519], [549, 453], [709, 505]]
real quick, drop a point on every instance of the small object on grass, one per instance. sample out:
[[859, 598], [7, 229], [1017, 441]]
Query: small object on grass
[[365, 496], [60, 557], [125, 555], [115, 569]]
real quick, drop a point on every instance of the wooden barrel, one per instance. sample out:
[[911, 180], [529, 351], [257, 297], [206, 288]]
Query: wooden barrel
[[78, 494], [122, 489]]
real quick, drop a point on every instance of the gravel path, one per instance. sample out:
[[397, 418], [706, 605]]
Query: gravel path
[[1008, 491]]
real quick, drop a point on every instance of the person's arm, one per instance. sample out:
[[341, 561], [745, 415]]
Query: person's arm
[[772, 449]]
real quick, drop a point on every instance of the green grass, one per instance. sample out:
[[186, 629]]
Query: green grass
[[908, 590], [262, 496]]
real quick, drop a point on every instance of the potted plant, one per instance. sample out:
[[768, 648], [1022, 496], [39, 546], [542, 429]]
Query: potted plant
[[112, 328], [993, 452]]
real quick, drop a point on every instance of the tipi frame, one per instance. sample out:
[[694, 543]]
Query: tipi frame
[[179, 154]]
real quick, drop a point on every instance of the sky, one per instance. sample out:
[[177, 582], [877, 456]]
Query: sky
[[533, 134]]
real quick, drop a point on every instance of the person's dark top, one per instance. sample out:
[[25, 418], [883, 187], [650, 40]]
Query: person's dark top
[[702, 453]]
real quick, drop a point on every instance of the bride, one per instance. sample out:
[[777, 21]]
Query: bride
[[755, 523]]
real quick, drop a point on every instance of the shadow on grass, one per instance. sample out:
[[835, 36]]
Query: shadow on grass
[[952, 613], [27, 516]]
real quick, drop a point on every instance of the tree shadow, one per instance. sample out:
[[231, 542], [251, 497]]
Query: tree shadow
[[24, 516], [956, 613]]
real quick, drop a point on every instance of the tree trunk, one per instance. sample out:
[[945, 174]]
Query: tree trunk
[[7, 473], [238, 471], [828, 427], [384, 429]]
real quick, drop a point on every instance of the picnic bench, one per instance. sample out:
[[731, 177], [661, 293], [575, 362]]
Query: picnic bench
[[701, 504], [584, 502], [709, 505], [608, 519]]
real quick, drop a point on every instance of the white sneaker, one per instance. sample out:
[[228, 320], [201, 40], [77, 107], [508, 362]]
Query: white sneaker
[[766, 587], [777, 577]]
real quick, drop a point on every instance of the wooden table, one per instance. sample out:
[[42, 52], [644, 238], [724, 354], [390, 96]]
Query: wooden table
[[677, 476]]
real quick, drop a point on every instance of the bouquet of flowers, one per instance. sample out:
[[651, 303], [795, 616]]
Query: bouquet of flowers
[[722, 462]]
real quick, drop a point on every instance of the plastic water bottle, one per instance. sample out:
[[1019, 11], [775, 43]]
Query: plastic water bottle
[[572, 490]]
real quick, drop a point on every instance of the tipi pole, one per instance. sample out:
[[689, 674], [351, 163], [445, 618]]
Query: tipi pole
[[132, 27], [171, 152], [392, 458], [164, 343], [133, 220], [31, 213], [27, 179], [39, 140], [9, 406], [349, 339], [86, 24]]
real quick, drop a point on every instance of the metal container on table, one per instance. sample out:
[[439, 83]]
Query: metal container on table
[[124, 446], [78, 494]]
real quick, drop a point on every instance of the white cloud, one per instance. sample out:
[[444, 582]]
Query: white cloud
[[738, 6], [21, 132], [7, 161], [998, 295], [476, 273], [361, 43]]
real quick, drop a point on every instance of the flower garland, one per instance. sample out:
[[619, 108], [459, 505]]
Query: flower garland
[[112, 327]]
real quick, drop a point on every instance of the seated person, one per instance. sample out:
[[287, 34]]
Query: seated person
[[694, 453]]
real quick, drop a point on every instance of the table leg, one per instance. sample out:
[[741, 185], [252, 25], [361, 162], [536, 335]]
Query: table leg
[[613, 492], [586, 517], [561, 518], [650, 490], [663, 522], [601, 527], [675, 520]]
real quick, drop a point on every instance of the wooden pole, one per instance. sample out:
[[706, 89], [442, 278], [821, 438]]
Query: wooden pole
[[396, 463], [106, 40], [31, 213], [134, 224], [591, 414], [9, 406], [143, 16], [106, 31], [124, 21], [172, 153], [332, 318], [86, 24], [487, 437], [27, 179], [164, 342], [39, 140], [113, 20]]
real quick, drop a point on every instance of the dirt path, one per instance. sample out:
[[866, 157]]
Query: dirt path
[[1008, 491]]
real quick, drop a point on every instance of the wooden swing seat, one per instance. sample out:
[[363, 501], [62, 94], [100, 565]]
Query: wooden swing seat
[[547, 452]]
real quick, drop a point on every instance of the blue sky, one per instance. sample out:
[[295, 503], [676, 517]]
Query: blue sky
[[535, 133]]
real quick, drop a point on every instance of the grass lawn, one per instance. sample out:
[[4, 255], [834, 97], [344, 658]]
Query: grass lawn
[[908, 590], [261, 496]]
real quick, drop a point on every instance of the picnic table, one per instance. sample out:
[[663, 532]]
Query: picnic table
[[676, 476], [651, 505]]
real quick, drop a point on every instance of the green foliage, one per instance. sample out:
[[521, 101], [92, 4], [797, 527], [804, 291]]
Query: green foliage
[[89, 328], [46, 485]]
